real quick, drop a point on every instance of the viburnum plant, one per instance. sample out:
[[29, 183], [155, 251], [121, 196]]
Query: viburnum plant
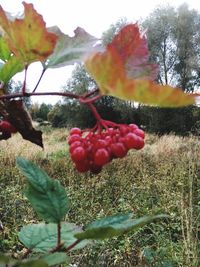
[[120, 69]]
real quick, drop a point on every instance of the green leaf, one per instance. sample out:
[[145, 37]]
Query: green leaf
[[56, 258], [43, 237], [68, 49], [5, 52], [114, 226], [46, 195], [10, 68]]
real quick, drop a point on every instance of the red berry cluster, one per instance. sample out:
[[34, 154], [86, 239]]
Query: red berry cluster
[[91, 151], [7, 127]]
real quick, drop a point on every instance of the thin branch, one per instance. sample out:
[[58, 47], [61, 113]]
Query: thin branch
[[16, 95], [89, 100], [43, 71], [88, 94], [72, 245]]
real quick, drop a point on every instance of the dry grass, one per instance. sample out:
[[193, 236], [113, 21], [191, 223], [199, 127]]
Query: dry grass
[[17, 146]]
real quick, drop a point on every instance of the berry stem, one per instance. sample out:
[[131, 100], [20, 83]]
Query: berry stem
[[94, 111]]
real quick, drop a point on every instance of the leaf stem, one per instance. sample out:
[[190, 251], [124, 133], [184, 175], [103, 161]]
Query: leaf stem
[[72, 245], [58, 234], [40, 78], [24, 84]]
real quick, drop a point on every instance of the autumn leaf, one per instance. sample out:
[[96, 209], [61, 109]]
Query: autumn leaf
[[27, 37], [132, 48], [15, 112], [68, 49], [123, 71]]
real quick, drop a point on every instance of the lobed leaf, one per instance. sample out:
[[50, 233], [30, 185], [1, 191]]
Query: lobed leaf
[[27, 37], [43, 237], [68, 49], [46, 195], [123, 71], [115, 225]]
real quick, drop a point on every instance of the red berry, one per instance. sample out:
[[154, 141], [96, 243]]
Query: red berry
[[131, 140], [73, 138], [140, 143], [133, 126], [78, 154], [6, 126], [124, 130], [74, 145], [75, 130], [101, 157], [100, 144], [108, 140], [119, 150], [139, 132]]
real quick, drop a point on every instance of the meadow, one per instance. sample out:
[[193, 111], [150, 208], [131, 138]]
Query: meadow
[[164, 177]]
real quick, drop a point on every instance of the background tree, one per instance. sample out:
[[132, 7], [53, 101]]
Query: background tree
[[173, 38], [40, 111]]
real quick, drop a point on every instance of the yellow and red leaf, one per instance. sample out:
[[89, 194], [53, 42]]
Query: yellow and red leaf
[[128, 54], [27, 37]]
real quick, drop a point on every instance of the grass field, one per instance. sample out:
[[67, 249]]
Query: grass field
[[164, 177]]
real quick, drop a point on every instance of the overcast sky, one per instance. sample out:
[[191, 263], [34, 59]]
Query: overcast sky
[[94, 16]]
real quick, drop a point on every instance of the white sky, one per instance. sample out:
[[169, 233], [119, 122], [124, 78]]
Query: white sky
[[92, 15]]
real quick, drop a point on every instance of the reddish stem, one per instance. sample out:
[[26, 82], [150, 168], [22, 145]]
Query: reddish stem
[[94, 111], [88, 94], [109, 123], [16, 95], [43, 71], [24, 84], [90, 100], [72, 245], [58, 234]]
